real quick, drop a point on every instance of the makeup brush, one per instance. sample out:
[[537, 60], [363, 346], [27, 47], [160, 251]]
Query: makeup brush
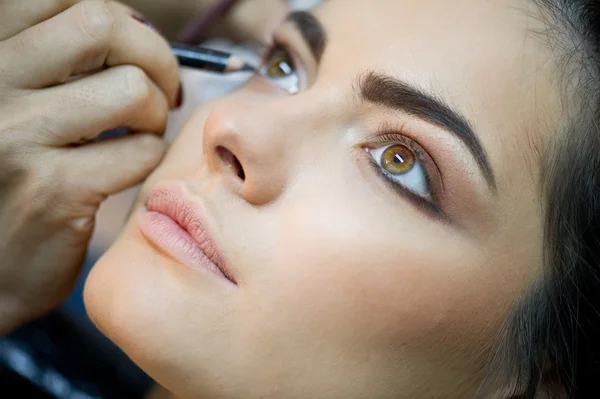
[[209, 59]]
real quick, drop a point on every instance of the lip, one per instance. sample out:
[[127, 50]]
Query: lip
[[174, 224]]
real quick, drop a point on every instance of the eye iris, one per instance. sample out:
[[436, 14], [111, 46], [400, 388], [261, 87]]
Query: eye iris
[[280, 66], [398, 160]]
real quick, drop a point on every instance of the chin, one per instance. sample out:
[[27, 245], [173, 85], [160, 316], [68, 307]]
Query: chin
[[118, 301], [124, 299], [157, 311]]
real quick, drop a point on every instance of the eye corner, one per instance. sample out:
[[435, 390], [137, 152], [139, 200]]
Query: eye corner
[[368, 148]]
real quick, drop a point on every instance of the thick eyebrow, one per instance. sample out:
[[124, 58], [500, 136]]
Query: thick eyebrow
[[312, 32], [393, 93]]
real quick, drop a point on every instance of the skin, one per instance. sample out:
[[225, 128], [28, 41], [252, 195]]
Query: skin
[[344, 287]]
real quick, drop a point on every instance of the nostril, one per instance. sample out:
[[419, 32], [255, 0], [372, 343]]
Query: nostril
[[231, 162], [240, 170]]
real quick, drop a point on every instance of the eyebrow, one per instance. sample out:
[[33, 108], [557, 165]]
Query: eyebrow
[[393, 93], [312, 32]]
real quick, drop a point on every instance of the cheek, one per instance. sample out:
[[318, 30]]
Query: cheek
[[350, 270]]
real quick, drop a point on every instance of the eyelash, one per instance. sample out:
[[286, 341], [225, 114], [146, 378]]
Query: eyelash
[[384, 137]]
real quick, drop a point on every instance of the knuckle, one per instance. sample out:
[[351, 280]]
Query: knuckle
[[81, 227], [137, 86], [96, 20]]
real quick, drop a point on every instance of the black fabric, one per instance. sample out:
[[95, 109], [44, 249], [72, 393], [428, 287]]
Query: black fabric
[[56, 358]]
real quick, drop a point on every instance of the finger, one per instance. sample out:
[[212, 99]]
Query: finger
[[90, 35], [20, 15], [104, 168], [48, 53], [141, 45], [82, 109]]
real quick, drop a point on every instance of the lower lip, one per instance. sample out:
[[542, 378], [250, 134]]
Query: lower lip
[[171, 238]]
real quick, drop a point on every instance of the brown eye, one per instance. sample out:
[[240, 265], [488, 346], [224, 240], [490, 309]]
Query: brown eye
[[397, 160], [406, 167], [279, 65]]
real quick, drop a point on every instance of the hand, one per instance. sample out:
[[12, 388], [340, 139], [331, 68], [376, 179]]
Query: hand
[[70, 70]]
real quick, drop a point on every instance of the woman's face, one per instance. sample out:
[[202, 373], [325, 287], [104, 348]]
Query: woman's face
[[373, 196]]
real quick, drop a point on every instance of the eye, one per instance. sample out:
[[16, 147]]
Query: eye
[[401, 165], [280, 68]]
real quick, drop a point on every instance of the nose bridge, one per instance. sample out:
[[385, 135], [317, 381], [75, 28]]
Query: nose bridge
[[262, 136]]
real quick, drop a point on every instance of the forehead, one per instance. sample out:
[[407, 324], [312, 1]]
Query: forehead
[[485, 58]]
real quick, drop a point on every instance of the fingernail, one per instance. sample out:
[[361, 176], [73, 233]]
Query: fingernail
[[179, 100], [147, 23]]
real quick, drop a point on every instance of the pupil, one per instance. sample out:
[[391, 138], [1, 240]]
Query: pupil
[[398, 159]]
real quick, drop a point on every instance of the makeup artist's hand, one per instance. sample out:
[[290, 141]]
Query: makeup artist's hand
[[68, 71]]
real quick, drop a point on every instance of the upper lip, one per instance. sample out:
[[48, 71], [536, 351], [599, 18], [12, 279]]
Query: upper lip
[[173, 202]]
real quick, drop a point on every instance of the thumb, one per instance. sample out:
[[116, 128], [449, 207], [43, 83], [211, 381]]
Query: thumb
[[109, 166]]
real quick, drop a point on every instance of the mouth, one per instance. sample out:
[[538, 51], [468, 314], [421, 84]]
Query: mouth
[[173, 223]]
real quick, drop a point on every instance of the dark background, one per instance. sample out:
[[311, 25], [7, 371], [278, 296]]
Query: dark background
[[62, 355]]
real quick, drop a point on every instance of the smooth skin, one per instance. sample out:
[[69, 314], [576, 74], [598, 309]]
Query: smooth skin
[[70, 70], [347, 288]]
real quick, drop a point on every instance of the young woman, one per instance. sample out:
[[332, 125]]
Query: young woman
[[402, 203]]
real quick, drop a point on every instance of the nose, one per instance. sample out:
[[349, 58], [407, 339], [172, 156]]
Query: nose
[[245, 145]]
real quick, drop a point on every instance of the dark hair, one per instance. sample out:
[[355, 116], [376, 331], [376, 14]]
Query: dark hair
[[550, 345]]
